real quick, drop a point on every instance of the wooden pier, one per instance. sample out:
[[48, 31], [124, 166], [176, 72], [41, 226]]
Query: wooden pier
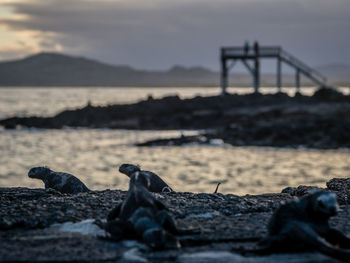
[[251, 57]]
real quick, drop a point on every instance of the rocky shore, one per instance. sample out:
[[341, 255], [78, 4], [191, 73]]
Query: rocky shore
[[38, 225], [318, 121]]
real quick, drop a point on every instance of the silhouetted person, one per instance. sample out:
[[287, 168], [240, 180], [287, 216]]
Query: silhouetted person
[[256, 48], [246, 48]]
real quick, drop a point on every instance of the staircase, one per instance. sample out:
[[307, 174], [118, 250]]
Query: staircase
[[307, 71]]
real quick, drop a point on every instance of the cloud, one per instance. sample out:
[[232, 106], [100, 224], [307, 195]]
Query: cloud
[[159, 33]]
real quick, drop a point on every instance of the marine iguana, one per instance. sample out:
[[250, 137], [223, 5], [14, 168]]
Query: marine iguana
[[156, 185], [62, 182], [144, 217], [303, 225]]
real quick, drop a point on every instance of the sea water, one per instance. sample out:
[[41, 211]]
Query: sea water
[[94, 155]]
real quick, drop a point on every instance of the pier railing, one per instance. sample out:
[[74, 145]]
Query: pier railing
[[246, 54]]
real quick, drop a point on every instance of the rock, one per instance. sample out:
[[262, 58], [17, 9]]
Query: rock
[[319, 121], [339, 184], [211, 256], [50, 246], [301, 190], [329, 94], [183, 140], [224, 257], [85, 227], [27, 234]]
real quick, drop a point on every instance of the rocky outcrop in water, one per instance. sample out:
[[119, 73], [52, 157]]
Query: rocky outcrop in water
[[319, 121]]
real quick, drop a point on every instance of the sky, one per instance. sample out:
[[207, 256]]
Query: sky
[[157, 34]]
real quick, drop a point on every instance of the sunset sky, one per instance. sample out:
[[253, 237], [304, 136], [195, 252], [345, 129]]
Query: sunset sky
[[156, 34]]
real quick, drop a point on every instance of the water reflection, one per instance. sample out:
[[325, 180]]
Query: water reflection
[[94, 155]]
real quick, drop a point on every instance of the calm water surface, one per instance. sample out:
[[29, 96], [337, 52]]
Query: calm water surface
[[94, 155]]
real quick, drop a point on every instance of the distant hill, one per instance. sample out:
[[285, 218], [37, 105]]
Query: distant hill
[[53, 69]]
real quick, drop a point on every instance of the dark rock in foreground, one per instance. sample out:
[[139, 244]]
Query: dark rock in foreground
[[301, 190], [27, 214], [39, 208], [339, 184]]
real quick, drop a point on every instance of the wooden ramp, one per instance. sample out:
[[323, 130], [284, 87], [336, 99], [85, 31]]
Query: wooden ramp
[[246, 55]]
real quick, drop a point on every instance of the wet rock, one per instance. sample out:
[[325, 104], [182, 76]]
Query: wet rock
[[183, 140]]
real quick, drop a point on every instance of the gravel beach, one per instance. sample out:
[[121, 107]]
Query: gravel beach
[[40, 225]]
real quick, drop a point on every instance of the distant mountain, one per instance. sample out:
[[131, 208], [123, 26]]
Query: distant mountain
[[52, 69]]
